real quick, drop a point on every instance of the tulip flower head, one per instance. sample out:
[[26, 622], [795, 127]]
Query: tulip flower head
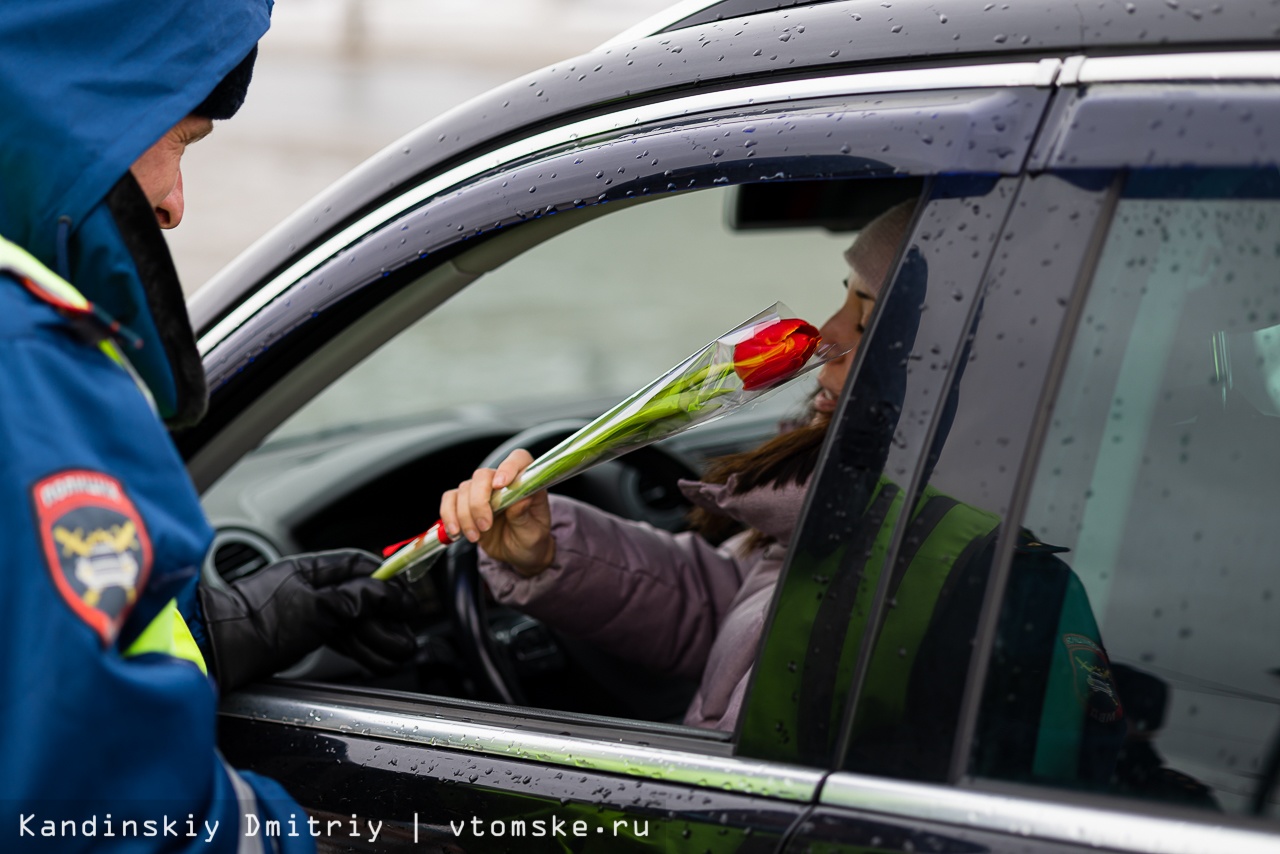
[[774, 352]]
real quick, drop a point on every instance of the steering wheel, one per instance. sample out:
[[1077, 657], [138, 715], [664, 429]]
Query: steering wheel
[[640, 485]]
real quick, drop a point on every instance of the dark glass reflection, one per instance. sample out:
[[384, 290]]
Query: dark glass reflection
[[828, 595], [941, 541], [1156, 480]]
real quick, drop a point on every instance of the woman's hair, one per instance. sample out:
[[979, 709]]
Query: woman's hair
[[789, 457]]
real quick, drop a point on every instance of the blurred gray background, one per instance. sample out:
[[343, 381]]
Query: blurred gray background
[[338, 80]]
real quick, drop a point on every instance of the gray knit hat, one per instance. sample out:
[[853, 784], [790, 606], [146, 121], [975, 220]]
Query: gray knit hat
[[876, 245]]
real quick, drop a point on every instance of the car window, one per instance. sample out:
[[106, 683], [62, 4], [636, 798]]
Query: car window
[[1137, 650]]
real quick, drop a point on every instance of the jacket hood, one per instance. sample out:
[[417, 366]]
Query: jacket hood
[[86, 86]]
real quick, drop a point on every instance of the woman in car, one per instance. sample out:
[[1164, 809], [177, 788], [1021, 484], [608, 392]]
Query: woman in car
[[676, 603]]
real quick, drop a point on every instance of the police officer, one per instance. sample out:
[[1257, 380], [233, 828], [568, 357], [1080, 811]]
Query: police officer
[[107, 707]]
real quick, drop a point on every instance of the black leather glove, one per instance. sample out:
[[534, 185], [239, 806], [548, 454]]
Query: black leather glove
[[267, 621]]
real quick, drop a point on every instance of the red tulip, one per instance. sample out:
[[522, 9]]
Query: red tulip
[[774, 352]]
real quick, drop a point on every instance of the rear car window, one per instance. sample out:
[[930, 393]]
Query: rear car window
[[1142, 658]]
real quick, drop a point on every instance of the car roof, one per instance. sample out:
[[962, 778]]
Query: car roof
[[700, 46]]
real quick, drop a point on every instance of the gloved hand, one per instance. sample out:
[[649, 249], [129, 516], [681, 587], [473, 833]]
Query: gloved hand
[[267, 621]]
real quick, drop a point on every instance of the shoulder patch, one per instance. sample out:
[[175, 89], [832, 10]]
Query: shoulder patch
[[95, 545], [1094, 684]]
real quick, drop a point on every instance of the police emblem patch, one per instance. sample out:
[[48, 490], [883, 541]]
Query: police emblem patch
[[95, 545], [1094, 685]]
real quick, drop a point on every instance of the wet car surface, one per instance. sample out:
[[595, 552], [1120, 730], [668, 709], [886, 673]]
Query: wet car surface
[[1078, 345]]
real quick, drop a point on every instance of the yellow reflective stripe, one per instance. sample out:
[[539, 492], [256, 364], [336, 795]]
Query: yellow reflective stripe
[[168, 634], [14, 257], [109, 347], [18, 260]]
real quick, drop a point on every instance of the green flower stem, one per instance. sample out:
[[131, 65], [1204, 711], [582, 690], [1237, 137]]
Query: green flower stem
[[690, 398], [669, 410]]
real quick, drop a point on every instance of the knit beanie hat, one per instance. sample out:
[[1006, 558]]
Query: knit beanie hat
[[876, 245], [228, 95]]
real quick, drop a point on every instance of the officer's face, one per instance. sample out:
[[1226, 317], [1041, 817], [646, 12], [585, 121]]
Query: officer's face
[[159, 169]]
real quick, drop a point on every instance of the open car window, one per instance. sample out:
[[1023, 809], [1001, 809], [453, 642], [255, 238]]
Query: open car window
[[561, 331]]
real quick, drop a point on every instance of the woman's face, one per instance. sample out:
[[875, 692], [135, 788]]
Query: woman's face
[[845, 328]]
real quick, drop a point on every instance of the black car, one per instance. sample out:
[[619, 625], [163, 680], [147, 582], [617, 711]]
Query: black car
[[1081, 342]]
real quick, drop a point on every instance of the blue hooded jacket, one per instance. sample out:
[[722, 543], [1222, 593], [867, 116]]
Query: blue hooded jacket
[[86, 86], [100, 750]]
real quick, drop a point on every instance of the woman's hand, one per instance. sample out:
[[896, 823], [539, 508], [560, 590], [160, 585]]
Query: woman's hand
[[519, 536]]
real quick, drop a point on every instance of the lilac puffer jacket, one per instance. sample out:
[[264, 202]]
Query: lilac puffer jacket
[[669, 602]]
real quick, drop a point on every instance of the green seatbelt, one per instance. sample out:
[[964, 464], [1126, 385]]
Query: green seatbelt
[[829, 602], [942, 537]]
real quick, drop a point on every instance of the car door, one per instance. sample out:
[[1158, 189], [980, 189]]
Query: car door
[[453, 773], [1103, 677]]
